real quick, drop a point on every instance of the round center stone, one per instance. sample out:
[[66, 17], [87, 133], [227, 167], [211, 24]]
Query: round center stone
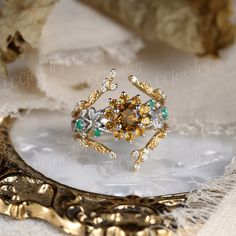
[[129, 117]]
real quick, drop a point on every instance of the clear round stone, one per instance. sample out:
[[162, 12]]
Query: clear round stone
[[91, 112], [158, 124], [112, 155], [103, 88], [135, 153], [144, 157], [136, 167], [113, 86], [145, 154], [113, 72], [146, 151], [133, 79]]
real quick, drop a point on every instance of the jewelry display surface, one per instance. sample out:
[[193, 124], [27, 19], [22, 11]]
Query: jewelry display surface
[[182, 162]]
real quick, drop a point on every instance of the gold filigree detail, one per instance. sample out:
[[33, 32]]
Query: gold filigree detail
[[107, 85], [87, 142], [156, 94], [142, 153], [154, 141]]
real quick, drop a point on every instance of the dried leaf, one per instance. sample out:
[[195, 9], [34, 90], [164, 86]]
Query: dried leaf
[[25, 17], [154, 141], [21, 22], [200, 27], [93, 97]]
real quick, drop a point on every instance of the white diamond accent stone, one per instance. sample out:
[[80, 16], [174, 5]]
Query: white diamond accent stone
[[158, 124], [91, 113], [144, 158], [114, 86], [145, 151], [157, 120], [113, 72], [133, 79], [113, 155], [103, 88], [136, 167], [145, 154], [135, 153]]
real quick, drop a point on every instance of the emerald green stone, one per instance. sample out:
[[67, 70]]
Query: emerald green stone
[[97, 132], [164, 113], [79, 124], [151, 103]]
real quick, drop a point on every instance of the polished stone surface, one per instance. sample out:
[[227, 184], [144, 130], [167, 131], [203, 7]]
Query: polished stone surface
[[181, 163]]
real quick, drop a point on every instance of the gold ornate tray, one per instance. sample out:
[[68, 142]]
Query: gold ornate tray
[[26, 193]]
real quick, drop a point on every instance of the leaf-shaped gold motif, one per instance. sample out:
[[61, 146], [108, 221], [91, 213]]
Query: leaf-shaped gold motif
[[93, 97], [146, 88], [87, 142], [154, 141]]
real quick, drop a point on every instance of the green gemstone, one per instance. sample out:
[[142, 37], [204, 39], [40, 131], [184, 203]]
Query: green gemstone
[[151, 103], [79, 124], [97, 132], [164, 113]]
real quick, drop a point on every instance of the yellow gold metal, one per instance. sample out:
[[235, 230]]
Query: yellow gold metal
[[156, 94], [87, 142], [152, 144]]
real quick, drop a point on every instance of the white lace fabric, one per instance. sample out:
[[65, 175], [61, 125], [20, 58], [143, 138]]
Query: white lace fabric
[[72, 37]]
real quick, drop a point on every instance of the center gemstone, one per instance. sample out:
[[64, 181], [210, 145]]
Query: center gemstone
[[129, 117]]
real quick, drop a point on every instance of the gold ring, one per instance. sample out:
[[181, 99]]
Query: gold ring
[[124, 117]]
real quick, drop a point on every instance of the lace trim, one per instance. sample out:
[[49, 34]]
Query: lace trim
[[202, 203]]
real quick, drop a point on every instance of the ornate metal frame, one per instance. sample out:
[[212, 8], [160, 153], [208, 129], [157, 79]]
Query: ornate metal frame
[[26, 193]]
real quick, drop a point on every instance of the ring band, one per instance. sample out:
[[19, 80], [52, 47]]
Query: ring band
[[124, 117]]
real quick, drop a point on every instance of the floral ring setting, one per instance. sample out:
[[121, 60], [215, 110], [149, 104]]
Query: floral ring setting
[[125, 117]]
